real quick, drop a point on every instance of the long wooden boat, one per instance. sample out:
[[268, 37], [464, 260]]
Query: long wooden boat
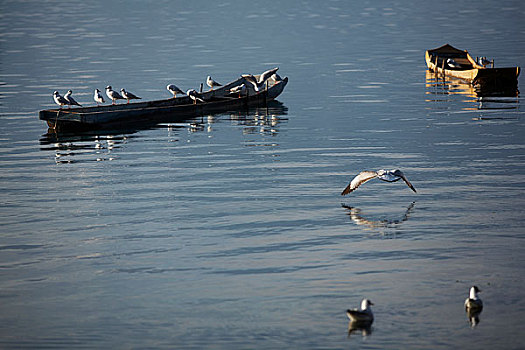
[[449, 61], [215, 101]]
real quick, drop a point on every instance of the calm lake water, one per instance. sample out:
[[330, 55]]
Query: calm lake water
[[229, 231]]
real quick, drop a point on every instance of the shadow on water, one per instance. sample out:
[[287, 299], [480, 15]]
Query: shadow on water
[[473, 317], [101, 142], [354, 328], [358, 218], [479, 99]]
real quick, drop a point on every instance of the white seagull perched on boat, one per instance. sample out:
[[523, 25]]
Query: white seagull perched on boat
[[276, 77], [98, 97], [258, 84], [59, 99], [385, 175], [484, 62], [71, 101], [112, 94], [453, 64], [194, 96], [473, 302], [174, 90], [363, 316], [128, 95], [267, 74], [212, 83], [239, 89]]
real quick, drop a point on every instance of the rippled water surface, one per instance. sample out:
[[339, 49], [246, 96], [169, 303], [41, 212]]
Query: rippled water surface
[[228, 230]]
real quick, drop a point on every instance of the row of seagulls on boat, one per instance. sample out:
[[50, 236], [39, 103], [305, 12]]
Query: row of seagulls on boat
[[385, 175], [114, 96], [258, 84], [124, 95], [174, 90], [70, 99], [212, 83], [66, 100], [194, 95], [128, 95], [98, 97], [363, 317], [239, 89], [59, 99]]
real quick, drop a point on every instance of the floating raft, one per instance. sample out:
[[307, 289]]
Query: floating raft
[[215, 101]]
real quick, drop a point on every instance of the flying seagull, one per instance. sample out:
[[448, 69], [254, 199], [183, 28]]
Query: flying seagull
[[473, 302], [113, 95], [98, 97], [128, 95], [71, 101], [174, 90], [194, 96], [362, 316], [385, 175], [59, 99], [212, 83]]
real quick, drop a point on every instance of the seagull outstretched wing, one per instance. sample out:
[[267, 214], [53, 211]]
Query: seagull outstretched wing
[[360, 179], [401, 175]]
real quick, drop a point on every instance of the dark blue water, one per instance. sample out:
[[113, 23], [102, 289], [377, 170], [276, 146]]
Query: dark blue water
[[229, 231]]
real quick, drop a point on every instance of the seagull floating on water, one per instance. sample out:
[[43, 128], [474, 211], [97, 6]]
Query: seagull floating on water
[[473, 302], [98, 97], [385, 175], [174, 90], [128, 95], [240, 89], [112, 94], [362, 316], [71, 101], [59, 99], [194, 96], [212, 83]]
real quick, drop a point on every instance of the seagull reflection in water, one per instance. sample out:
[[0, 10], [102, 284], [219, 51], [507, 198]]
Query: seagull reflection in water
[[261, 120], [353, 327], [473, 317], [358, 219]]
